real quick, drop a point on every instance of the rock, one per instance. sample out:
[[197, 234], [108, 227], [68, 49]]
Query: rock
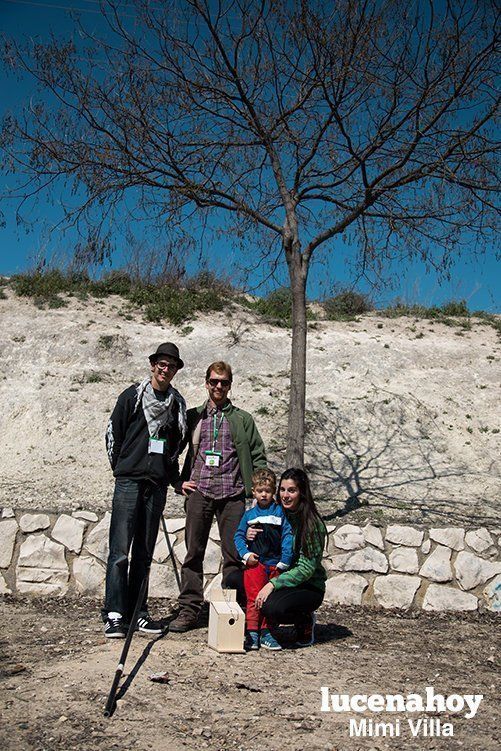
[[161, 552], [87, 516], [437, 566], [395, 591], [216, 582], [38, 581], [426, 547], [345, 589], [348, 537], [163, 581], [479, 539], [214, 533], [97, 542], [34, 522], [7, 513], [89, 575], [39, 550], [451, 537], [69, 532], [175, 525], [42, 567], [367, 559], [472, 570], [374, 536], [440, 598], [212, 560], [492, 594], [180, 552], [404, 560], [402, 535], [8, 532], [4, 590]]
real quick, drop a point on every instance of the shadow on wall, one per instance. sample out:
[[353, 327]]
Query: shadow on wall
[[388, 451]]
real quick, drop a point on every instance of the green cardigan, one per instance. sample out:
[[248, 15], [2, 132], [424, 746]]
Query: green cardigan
[[244, 434], [305, 570]]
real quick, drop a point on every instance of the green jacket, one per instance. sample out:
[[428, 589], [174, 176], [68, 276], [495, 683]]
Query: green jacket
[[248, 443], [305, 570]]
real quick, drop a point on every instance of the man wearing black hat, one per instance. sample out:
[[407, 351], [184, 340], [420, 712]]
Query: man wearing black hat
[[145, 435]]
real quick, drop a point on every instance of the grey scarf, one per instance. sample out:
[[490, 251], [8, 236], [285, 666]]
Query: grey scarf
[[157, 412]]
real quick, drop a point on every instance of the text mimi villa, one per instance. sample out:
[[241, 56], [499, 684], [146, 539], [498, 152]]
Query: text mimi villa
[[431, 702]]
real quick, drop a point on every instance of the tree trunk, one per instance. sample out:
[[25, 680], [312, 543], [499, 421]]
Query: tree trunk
[[297, 397]]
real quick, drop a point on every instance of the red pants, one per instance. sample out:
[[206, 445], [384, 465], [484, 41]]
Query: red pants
[[254, 579]]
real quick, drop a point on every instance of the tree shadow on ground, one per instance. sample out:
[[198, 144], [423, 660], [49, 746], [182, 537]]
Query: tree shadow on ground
[[389, 453]]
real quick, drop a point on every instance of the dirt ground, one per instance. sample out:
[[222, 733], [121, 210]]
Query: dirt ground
[[56, 671]]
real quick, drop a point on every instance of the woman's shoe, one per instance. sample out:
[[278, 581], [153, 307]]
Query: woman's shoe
[[305, 632]]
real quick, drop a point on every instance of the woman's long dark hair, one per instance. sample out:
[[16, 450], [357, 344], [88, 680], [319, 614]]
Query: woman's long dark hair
[[308, 517]]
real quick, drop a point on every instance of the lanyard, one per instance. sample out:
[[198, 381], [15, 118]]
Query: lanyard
[[215, 430]]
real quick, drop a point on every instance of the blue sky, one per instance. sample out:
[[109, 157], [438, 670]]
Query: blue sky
[[478, 280]]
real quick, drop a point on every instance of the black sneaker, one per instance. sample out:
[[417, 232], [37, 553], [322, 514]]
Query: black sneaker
[[114, 627], [146, 625]]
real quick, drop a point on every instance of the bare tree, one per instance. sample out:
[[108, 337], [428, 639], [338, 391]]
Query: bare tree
[[291, 121]]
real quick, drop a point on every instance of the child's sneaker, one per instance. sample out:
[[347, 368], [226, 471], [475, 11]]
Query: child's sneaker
[[252, 640], [268, 641], [114, 627], [305, 632]]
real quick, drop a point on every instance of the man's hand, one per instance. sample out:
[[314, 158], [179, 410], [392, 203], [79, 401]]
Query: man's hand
[[252, 533], [188, 487], [252, 560], [263, 595]]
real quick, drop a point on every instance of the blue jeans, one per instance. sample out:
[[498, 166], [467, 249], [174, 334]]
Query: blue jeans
[[135, 517]]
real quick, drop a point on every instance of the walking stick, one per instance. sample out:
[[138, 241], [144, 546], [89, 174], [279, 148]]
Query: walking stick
[[110, 704], [171, 553]]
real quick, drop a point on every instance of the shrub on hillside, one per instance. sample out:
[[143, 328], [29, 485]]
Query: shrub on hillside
[[347, 305], [455, 308], [276, 307], [162, 300], [114, 283]]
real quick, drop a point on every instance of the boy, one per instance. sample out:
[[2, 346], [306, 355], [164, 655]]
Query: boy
[[265, 555]]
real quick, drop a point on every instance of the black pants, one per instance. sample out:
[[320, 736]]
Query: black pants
[[200, 512], [291, 605], [135, 518]]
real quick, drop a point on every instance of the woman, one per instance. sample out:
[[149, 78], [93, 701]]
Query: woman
[[294, 596]]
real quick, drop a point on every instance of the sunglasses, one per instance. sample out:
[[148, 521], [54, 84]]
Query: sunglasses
[[223, 381]]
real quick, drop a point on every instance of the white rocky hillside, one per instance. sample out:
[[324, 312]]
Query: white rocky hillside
[[403, 414]]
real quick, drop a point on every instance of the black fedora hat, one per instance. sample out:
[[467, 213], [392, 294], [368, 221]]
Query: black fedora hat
[[167, 350]]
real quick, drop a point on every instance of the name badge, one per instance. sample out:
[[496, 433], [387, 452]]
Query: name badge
[[156, 446], [213, 458]]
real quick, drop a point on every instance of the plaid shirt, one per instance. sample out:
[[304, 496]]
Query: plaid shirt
[[224, 481]]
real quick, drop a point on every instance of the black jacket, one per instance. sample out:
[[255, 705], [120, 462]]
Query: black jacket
[[127, 439]]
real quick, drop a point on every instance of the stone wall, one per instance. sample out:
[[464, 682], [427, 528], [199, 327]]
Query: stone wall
[[397, 566]]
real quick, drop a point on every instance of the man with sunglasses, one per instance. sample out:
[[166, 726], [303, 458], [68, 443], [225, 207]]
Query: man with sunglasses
[[146, 432], [224, 449]]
